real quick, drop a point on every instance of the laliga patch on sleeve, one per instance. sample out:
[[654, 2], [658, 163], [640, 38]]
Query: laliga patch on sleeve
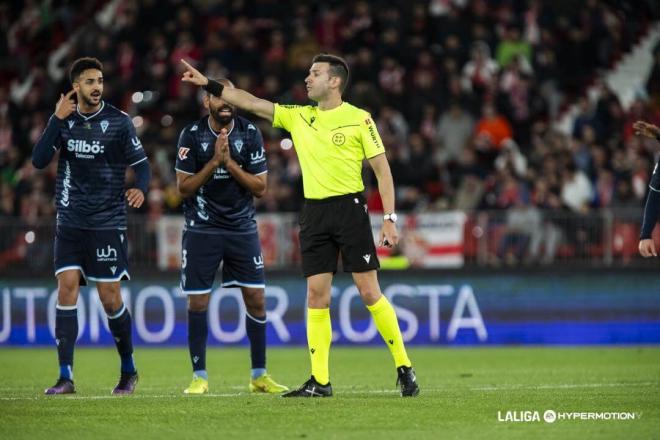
[[183, 153]]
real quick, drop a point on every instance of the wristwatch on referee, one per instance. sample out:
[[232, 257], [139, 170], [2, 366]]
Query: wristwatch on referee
[[391, 217]]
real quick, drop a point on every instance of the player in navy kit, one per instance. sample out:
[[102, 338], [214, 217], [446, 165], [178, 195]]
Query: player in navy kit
[[96, 142], [220, 166]]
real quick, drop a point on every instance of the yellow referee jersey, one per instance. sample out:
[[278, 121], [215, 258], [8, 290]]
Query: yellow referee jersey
[[331, 146]]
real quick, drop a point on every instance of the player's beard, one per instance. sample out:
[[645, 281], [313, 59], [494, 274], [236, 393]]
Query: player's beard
[[222, 119], [89, 100]]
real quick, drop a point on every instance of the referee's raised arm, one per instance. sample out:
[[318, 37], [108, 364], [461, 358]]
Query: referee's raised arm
[[236, 97]]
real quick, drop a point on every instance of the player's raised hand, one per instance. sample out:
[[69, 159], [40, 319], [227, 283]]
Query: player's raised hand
[[193, 75], [647, 248], [645, 129], [65, 106], [389, 236], [135, 197]]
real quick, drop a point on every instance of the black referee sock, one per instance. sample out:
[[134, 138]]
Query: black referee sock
[[66, 333], [256, 331], [198, 330], [121, 325]]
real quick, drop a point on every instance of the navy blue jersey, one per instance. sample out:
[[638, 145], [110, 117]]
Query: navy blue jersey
[[95, 150], [221, 204]]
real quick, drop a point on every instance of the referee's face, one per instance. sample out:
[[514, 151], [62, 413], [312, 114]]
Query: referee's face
[[318, 81], [90, 87]]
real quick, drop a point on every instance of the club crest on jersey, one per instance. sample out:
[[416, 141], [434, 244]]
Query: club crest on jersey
[[205, 145], [71, 123], [239, 145], [104, 125], [183, 153]]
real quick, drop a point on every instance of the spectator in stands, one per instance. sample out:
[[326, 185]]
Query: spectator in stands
[[455, 129]]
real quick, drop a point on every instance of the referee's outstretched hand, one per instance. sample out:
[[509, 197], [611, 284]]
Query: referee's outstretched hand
[[193, 75], [389, 236], [645, 129]]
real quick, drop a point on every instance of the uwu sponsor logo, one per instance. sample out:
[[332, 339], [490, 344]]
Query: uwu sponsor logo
[[106, 254], [83, 149], [136, 143], [66, 184], [258, 156], [258, 262]]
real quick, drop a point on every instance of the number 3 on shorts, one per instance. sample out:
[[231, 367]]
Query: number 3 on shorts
[[183, 259]]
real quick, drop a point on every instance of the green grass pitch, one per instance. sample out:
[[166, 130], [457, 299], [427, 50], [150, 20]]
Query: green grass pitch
[[462, 391]]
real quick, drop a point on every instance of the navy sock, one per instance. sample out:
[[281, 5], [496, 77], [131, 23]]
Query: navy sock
[[256, 332], [66, 333], [121, 327], [198, 330]]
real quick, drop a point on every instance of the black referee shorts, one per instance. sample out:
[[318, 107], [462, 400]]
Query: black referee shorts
[[336, 225]]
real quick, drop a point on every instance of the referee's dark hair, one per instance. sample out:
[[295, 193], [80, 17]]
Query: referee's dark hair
[[82, 64], [338, 67]]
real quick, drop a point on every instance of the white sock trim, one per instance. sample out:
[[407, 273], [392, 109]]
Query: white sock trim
[[73, 307], [119, 313], [259, 321]]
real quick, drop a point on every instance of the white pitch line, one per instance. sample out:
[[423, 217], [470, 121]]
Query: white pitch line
[[172, 396], [563, 386], [341, 391]]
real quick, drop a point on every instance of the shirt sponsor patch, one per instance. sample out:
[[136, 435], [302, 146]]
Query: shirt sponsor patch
[[183, 153]]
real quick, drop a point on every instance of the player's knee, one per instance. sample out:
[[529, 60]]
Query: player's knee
[[110, 296], [198, 303], [254, 301], [67, 294], [111, 303]]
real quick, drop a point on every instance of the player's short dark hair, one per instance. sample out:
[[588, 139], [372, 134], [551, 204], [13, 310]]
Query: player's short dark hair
[[82, 64], [338, 67]]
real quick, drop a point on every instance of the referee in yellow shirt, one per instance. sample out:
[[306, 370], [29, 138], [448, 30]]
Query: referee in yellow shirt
[[332, 139]]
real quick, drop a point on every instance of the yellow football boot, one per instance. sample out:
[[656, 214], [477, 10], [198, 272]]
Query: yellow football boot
[[198, 385], [266, 384]]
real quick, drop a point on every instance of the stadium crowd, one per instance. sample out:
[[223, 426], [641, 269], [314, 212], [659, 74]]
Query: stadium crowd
[[464, 93]]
